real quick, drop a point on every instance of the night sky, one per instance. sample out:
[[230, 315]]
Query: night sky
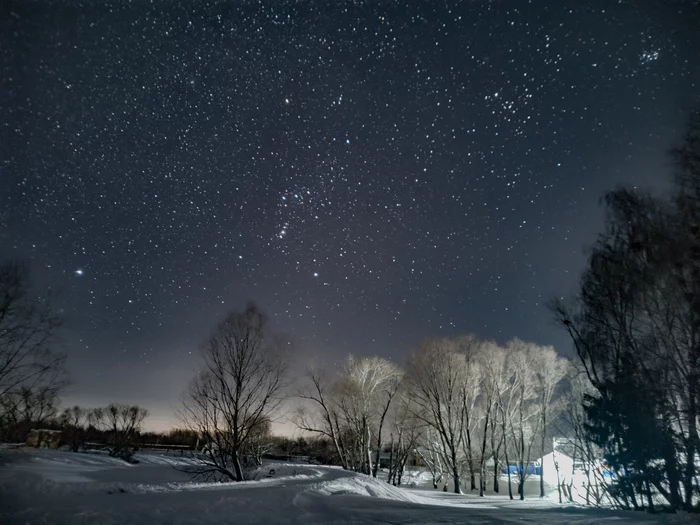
[[371, 173]]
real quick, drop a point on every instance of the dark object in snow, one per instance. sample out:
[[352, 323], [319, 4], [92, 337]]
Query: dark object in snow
[[43, 438], [444, 489]]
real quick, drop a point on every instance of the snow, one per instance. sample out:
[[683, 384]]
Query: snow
[[415, 478], [61, 487]]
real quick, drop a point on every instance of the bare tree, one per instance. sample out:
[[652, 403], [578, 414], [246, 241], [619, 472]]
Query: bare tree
[[548, 370], [405, 431], [73, 421], [122, 424], [470, 347], [388, 382], [523, 424], [436, 373], [31, 371], [572, 421], [258, 444], [367, 387], [239, 389], [352, 409], [514, 393], [321, 414], [24, 406], [431, 451], [491, 358]]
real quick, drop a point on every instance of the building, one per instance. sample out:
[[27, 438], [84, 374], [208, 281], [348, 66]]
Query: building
[[43, 438], [556, 462]]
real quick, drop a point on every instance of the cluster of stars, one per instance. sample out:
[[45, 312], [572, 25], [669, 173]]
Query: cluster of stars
[[371, 173]]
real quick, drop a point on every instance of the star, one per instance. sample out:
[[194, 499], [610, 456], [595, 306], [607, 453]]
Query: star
[[184, 185]]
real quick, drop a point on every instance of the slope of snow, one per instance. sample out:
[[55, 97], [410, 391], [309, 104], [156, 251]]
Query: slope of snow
[[56, 487], [375, 488]]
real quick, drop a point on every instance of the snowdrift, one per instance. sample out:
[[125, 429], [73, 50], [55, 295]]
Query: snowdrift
[[361, 485], [61, 487]]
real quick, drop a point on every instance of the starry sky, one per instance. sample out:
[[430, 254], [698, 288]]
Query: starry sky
[[371, 173]]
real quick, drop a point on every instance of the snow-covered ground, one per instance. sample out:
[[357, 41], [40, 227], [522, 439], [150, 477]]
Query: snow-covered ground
[[57, 487]]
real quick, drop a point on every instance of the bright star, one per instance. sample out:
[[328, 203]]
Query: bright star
[[315, 274], [78, 272]]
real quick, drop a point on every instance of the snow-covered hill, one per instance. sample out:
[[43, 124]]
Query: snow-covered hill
[[57, 487]]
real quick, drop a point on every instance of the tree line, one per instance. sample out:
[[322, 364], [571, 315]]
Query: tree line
[[458, 404]]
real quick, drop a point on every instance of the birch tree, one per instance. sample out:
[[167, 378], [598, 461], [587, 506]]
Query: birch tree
[[523, 425], [367, 386], [491, 358], [436, 374], [351, 409], [548, 370], [470, 347], [404, 431], [432, 453]]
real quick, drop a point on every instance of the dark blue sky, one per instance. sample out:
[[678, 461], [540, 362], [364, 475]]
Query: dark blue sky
[[370, 173]]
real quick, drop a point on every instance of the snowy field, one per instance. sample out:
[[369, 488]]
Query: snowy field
[[57, 487]]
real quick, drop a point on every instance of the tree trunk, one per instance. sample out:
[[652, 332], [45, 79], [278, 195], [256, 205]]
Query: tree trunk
[[542, 481], [556, 468], [375, 468], [392, 467], [470, 458], [339, 444], [510, 488], [521, 487], [470, 461], [457, 481], [673, 474], [523, 464], [650, 500], [237, 466], [455, 470], [544, 426], [521, 474], [693, 436], [496, 470], [368, 449], [482, 460], [635, 505]]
